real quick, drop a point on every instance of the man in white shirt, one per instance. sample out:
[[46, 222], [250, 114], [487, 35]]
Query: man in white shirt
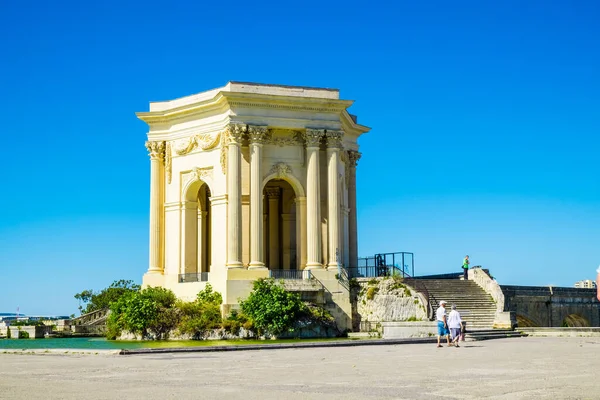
[[455, 325], [442, 324]]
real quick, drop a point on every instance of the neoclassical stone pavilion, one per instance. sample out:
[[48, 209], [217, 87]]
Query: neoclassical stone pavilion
[[249, 180]]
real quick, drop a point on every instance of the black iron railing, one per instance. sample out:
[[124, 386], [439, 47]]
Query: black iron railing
[[384, 264], [194, 277], [288, 273]]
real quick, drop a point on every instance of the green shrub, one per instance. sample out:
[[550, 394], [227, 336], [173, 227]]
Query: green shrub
[[201, 315], [373, 281], [371, 292], [398, 282], [149, 310], [272, 309], [23, 335]]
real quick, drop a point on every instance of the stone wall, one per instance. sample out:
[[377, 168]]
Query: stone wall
[[547, 306], [387, 299]]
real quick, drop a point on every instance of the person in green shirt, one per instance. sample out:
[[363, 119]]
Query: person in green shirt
[[466, 268]]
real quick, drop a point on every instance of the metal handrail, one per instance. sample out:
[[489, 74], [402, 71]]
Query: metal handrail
[[343, 277], [421, 288], [194, 277], [295, 274]]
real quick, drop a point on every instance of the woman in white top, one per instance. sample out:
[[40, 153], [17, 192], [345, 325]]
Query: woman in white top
[[455, 325]]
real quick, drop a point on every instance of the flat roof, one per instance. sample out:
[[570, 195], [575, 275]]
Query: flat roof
[[249, 87]]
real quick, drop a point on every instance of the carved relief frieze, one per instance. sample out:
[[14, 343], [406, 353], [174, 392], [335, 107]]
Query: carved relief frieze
[[283, 138], [168, 162], [204, 141], [196, 174], [184, 146], [223, 157], [281, 170], [313, 137], [207, 141], [202, 173]]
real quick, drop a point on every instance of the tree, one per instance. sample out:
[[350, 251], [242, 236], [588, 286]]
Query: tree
[[107, 296]]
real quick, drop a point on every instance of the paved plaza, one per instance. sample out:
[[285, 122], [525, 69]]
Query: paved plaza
[[518, 368]]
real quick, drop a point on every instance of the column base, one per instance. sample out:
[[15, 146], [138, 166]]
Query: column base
[[332, 267], [235, 265], [154, 270], [256, 265], [313, 266]]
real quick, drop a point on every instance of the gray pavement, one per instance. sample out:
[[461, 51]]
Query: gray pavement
[[518, 368]]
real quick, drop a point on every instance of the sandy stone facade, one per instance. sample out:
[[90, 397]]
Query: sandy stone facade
[[250, 178]]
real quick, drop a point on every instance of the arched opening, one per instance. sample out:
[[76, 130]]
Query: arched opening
[[204, 229], [280, 226], [526, 322], [196, 222], [575, 321]]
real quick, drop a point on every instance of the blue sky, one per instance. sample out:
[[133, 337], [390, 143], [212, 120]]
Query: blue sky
[[485, 128]]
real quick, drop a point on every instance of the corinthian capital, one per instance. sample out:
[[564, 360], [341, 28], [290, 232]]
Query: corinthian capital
[[313, 137], [235, 132], [353, 157], [334, 138], [258, 134], [156, 150], [272, 192]]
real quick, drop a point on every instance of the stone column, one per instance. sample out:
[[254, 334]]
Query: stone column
[[286, 240], [201, 240], [257, 136], [273, 195], [234, 195], [313, 202], [189, 238], [157, 155], [301, 231], [334, 143], [353, 157], [345, 238]]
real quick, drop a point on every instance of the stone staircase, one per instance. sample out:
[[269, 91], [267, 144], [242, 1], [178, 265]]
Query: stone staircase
[[476, 307], [487, 334], [308, 289]]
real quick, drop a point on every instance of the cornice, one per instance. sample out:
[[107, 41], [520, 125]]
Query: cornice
[[223, 100]]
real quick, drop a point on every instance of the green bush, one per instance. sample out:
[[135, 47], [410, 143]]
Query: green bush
[[23, 335], [371, 292], [149, 310], [272, 309], [237, 320]]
